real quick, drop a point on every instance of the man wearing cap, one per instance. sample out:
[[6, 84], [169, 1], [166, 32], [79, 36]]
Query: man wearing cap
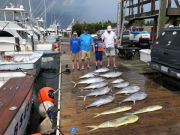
[[86, 42], [75, 46], [109, 39]]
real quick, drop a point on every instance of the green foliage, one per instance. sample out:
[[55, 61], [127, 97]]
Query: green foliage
[[92, 27]]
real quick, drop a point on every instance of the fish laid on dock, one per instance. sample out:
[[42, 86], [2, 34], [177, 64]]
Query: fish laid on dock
[[102, 101], [117, 81], [89, 81], [111, 74], [114, 110], [102, 70], [148, 109], [125, 120], [96, 85], [88, 75], [135, 97], [129, 90], [121, 85], [98, 92]]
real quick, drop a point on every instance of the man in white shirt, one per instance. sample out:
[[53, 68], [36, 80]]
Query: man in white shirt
[[109, 39]]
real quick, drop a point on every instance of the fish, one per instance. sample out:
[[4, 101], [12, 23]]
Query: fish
[[135, 97], [148, 109], [129, 90], [88, 75], [121, 85], [98, 92], [114, 110], [124, 120], [117, 81], [111, 74], [101, 101], [102, 70], [89, 81], [96, 85]]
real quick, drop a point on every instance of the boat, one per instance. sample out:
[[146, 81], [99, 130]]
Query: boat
[[16, 90]]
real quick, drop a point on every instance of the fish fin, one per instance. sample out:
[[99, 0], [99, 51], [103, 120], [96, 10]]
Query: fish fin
[[81, 96], [93, 128], [85, 98], [96, 115], [75, 84], [134, 101]]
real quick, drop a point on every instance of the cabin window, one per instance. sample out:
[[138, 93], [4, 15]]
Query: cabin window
[[5, 34]]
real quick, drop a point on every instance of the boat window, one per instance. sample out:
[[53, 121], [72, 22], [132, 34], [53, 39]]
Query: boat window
[[23, 34], [5, 34]]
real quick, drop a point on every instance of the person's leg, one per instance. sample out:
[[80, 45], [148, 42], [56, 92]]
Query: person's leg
[[88, 59], [77, 60], [73, 58], [83, 57], [113, 57], [107, 56], [96, 60], [100, 58]]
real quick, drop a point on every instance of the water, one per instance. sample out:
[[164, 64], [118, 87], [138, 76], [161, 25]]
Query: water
[[47, 77]]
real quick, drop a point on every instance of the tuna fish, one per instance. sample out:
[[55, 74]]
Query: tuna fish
[[121, 85], [89, 81], [102, 70], [129, 90], [128, 119], [96, 85], [114, 110], [135, 97], [148, 109], [111, 74], [88, 75], [98, 92], [117, 81], [102, 101]]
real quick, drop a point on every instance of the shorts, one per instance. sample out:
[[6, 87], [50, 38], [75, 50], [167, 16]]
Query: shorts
[[75, 56], [99, 56], [110, 52], [85, 54]]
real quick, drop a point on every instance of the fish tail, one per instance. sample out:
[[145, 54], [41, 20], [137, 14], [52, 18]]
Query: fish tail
[[97, 115], [75, 84], [93, 128]]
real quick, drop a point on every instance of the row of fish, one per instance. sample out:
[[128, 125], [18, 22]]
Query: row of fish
[[124, 120]]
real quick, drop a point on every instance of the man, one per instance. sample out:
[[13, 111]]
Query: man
[[109, 39], [86, 42], [75, 45], [56, 46]]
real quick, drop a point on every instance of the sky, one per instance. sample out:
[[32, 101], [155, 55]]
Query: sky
[[64, 11]]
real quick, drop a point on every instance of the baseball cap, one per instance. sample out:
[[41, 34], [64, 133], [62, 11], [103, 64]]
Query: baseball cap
[[74, 33], [109, 28]]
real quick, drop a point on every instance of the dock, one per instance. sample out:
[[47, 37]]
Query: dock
[[162, 122]]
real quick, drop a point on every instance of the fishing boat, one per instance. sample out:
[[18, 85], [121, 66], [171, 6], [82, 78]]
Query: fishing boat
[[16, 90]]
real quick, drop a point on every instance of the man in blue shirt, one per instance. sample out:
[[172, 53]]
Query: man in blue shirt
[[75, 44], [86, 42]]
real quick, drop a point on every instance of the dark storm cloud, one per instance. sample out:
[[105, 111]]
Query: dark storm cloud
[[66, 10]]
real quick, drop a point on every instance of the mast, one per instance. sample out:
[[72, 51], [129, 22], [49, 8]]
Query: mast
[[45, 10], [30, 9]]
